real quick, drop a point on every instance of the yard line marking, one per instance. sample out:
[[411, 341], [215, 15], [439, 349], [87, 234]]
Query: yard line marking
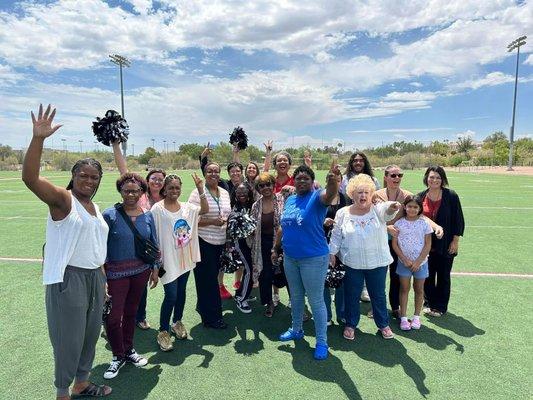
[[498, 207], [499, 226], [475, 274], [22, 217]]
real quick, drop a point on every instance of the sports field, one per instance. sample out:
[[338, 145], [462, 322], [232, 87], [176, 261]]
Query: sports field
[[482, 349]]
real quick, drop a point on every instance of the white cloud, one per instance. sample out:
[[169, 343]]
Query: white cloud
[[466, 134], [529, 60], [491, 79]]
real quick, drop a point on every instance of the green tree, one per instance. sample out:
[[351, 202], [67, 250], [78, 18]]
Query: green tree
[[438, 148], [148, 154], [465, 144]]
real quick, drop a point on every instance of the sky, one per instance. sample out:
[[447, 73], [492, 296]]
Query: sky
[[360, 73]]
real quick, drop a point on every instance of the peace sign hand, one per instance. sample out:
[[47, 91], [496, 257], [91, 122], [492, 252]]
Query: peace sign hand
[[198, 182], [334, 170], [42, 125], [268, 146]]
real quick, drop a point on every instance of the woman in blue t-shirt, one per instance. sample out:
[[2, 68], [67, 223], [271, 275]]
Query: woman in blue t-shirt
[[306, 252]]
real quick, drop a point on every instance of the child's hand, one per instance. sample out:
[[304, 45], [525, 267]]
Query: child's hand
[[408, 263], [415, 266]]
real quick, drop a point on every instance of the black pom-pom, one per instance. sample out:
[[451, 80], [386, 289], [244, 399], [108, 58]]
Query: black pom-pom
[[335, 275], [230, 261], [111, 128], [240, 225], [238, 138]]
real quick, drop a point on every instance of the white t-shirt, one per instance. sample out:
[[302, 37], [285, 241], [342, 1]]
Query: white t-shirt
[[79, 239], [360, 241], [177, 233], [213, 234], [412, 235]]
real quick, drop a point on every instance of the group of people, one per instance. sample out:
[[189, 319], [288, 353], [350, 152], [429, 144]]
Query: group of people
[[283, 228]]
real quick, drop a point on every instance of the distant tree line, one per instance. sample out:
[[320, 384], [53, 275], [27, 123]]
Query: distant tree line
[[493, 151]]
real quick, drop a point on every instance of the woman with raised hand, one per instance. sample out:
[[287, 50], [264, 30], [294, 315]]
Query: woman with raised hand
[[177, 230], [212, 233], [306, 252], [441, 205], [359, 240], [282, 164], [74, 254], [127, 274], [154, 179], [266, 211]]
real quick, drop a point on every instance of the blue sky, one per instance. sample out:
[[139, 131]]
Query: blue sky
[[318, 72]]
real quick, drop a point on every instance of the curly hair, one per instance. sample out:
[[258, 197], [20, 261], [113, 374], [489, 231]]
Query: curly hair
[[133, 178], [304, 169], [249, 198], [367, 169], [360, 181]]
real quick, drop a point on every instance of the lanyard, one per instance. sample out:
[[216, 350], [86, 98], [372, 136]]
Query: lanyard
[[217, 201]]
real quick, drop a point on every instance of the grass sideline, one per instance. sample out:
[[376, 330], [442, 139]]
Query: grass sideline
[[481, 349]]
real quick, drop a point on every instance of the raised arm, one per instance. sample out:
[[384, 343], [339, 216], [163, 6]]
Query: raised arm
[[268, 156], [120, 161], [236, 154], [332, 185], [57, 198], [203, 157], [199, 183]]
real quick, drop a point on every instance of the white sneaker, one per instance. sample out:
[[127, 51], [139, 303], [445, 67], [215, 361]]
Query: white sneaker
[[275, 299], [133, 357], [116, 364]]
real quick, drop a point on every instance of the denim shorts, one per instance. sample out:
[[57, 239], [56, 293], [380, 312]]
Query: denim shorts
[[405, 272]]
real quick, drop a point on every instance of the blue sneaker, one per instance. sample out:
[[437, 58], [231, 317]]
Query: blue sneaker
[[291, 335], [321, 351]]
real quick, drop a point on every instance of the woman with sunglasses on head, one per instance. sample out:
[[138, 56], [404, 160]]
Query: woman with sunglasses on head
[[177, 230], [306, 252], [441, 205], [127, 275], [212, 233], [74, 254], [154, 179], [266, 211]]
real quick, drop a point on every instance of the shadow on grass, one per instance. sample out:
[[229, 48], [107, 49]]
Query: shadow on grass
[[431, 338], [387, 353], [132, 383], [457, 325], [329, 370]]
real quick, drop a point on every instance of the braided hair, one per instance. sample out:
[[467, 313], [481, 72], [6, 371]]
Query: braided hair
[[77, 167]]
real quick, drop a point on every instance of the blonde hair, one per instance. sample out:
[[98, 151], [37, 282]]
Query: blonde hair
[[360, 181]]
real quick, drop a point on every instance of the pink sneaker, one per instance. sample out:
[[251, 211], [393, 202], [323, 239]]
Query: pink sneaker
[[405, 325], [416, 324], [224, 294]]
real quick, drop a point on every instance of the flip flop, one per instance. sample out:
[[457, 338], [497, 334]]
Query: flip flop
[[348, 333], [93, 390]]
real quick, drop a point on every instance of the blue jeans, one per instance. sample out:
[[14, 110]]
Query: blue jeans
[[339, 302], [307, 275], [375, 284], [174, 301]]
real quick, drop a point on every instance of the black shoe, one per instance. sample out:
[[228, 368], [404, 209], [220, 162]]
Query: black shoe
[[220, 324]]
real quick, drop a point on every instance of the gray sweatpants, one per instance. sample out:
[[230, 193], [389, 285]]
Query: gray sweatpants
[[74, 313]]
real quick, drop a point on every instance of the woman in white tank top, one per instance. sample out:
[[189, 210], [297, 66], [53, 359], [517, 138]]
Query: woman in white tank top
[[74, 253]]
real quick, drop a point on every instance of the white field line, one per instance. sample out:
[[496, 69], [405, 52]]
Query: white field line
[[482, 274]]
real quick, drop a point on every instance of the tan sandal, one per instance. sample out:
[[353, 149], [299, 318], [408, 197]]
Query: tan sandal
[[348, 333]]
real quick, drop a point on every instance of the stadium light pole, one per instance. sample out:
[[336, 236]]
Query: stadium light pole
[[515, 44], [121, 62]]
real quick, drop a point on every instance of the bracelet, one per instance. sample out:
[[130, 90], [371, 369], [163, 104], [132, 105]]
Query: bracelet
[[203, 196]]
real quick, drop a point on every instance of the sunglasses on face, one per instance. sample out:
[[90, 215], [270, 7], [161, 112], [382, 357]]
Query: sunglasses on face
[[393, 176], [264, 185], [131, 192], [156, 180]]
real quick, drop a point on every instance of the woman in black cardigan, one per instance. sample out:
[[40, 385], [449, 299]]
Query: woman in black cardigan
[[443, 206]]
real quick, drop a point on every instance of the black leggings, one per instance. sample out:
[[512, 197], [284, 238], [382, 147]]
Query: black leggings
[[209, 305]]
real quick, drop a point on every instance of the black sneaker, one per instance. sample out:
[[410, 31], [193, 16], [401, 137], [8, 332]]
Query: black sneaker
[[133, 357], [243, 306], [116, 364]]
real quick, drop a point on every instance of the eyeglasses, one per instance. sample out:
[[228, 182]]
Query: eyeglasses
[[395, 176], [156, 180], [264, 185], [212, 172]]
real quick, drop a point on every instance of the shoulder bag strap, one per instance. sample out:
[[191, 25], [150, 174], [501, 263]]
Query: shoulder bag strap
[[126, 218]]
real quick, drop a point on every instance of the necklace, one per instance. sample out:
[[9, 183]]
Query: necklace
[[395, 197]]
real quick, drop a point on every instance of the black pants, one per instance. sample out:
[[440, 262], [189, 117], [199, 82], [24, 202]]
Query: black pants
[[266, 275], [209, 305], [394, 287], [438, 285], [243, 292]]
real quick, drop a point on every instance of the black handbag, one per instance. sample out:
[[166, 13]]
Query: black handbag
[[145, 249]]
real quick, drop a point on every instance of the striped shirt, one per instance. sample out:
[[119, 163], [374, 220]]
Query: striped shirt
[[213, 234]]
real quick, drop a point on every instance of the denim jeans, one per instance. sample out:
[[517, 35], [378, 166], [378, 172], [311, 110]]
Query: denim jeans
[[174, 301], [375, 284], [307, 275], [339, 302]]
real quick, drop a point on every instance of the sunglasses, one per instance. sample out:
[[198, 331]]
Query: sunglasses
[[156, 180], [264, 185], [395, 176]]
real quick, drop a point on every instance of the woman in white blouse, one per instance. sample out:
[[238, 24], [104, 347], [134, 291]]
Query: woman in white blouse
[[359, 239]]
